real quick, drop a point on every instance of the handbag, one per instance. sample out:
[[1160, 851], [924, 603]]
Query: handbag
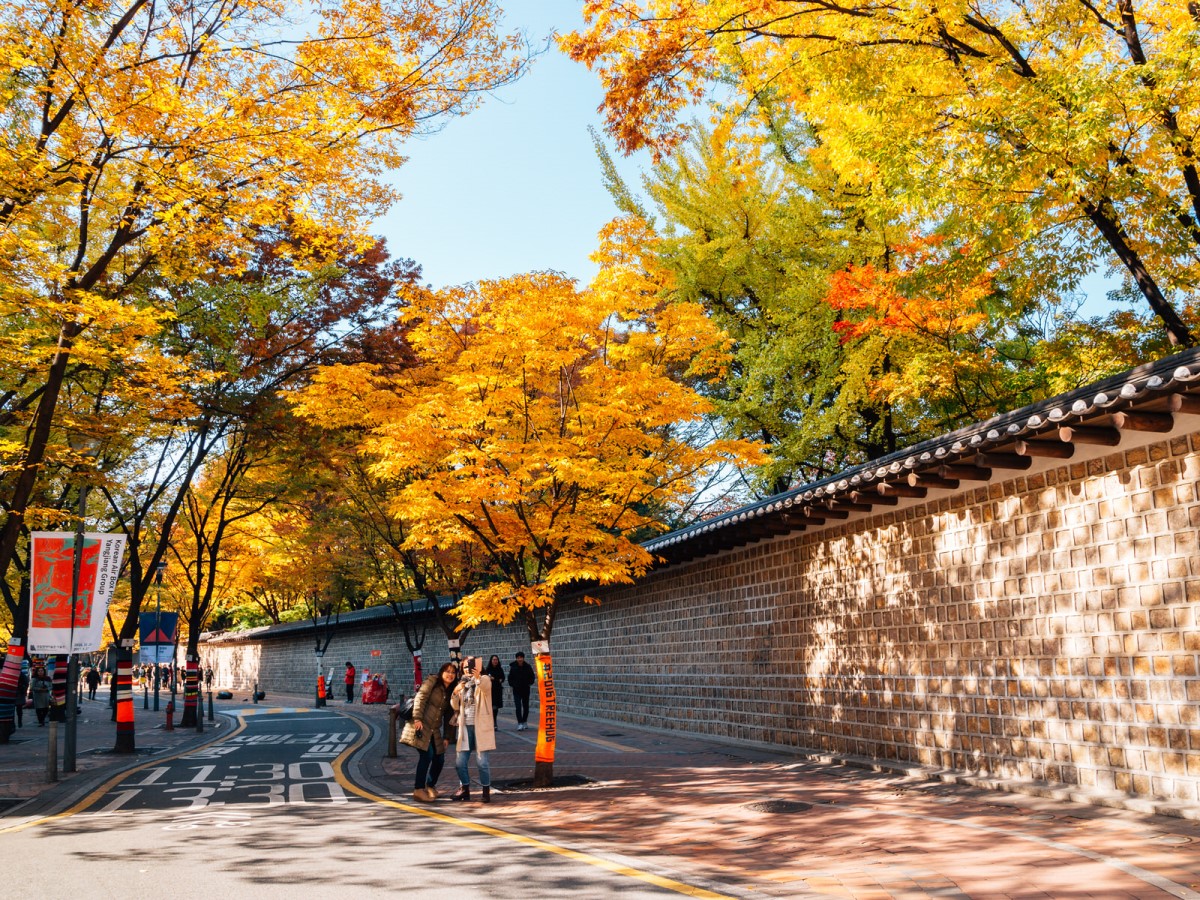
[[406, 711]]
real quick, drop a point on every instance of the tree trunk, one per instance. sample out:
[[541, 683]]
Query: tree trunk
[[1103, 216], [126, 739], [9, 674], [191, 689], [38, 439], [543, 755], [58, 695]]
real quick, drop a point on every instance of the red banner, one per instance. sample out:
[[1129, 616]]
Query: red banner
[[62, 620]]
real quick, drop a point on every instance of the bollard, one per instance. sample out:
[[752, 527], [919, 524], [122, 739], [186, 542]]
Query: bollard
[[256, 692], [145, 695], [170, 715], [210, 705], [393, 716]]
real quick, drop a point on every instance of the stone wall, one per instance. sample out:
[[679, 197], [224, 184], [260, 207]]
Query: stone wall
[[1039, 628], [287, 664]]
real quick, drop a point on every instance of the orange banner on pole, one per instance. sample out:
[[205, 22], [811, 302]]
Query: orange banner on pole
[[544, 751]]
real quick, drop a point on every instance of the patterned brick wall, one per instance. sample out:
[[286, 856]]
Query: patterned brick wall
[[1038, 628]]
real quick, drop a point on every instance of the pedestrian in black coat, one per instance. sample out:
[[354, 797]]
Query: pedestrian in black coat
[[521, 678], [495, 671], [22, 695]]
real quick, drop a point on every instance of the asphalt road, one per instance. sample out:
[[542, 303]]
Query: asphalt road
[[269, 810]]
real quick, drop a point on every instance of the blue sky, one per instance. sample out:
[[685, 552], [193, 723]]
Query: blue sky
[[515, 186]]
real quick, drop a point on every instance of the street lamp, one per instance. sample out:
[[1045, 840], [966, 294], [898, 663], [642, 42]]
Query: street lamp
[[86, 446]]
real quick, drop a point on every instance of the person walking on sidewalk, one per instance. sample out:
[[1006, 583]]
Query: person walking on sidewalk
[[495, 671], [40, 687], [22, 692], [93, 682], [424, 731], [350, 673], [472, 700], [521, 678]]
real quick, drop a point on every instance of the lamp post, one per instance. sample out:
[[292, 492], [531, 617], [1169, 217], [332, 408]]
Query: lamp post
[[87, 447]]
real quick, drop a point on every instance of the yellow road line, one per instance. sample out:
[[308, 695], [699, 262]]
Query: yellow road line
[[99, 792], [578, 856]]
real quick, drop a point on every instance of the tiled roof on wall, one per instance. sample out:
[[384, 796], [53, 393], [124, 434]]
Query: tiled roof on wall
[[1147, 402]]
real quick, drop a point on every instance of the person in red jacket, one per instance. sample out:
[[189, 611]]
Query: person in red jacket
[[350, 673]]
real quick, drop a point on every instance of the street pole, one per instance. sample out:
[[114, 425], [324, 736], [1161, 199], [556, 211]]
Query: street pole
[[52, 751], [73, 659]]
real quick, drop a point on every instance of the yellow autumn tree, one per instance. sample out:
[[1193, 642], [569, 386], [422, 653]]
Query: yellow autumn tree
[[543, 424], [1070, 124], [146, 139]]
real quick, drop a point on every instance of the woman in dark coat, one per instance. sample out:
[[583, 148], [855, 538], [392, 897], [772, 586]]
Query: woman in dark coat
[[495, 671], [40, 687], [424, 732]]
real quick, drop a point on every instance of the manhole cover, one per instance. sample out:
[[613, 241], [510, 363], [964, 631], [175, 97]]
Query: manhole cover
[[778, 806], [1173, 839]]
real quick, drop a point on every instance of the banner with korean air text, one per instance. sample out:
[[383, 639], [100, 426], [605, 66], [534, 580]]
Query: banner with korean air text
[[54, 627]]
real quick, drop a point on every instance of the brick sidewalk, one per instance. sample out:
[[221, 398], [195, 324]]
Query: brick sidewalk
[[779, 826]]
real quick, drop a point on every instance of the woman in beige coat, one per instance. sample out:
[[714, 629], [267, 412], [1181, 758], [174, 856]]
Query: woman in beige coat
[[472, 700], [424, 731]]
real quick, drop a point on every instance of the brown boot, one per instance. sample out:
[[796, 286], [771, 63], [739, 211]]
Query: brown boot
[[487, 794], [463, 793], [423, 795]]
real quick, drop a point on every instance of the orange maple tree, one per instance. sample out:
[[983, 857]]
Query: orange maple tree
[[542, 424]]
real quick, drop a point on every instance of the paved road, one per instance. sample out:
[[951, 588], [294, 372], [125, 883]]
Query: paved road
[[268, 810], [315, 804]]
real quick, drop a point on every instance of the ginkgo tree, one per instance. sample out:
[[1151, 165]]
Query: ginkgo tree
[[144, 137], [1079, 115], [540, 423], [147, 141]]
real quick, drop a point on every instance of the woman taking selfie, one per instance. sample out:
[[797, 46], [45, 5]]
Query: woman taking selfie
[[472, 699]]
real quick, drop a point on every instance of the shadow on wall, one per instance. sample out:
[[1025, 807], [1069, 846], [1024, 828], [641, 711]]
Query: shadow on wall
[[1036, 629]]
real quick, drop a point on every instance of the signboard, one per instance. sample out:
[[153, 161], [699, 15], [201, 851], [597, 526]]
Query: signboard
[[156, 654], [377, 653], [56, 625], [158, 632]]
